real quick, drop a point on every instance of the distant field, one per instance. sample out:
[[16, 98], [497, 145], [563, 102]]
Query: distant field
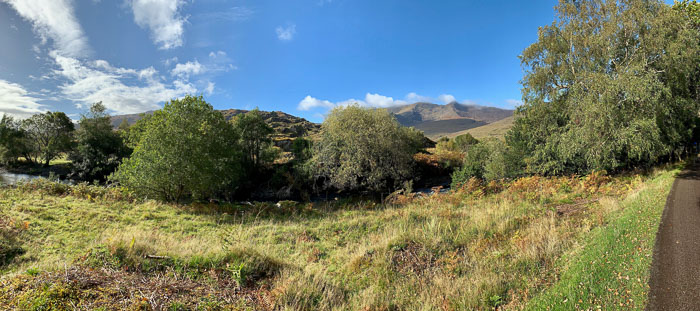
[[436, 129], [496, 129], [564, 241]]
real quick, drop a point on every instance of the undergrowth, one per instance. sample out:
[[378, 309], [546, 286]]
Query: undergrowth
[[484, 246]]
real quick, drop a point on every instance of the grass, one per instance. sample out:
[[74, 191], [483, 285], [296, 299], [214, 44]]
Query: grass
[[612, 269], [509, 246], [496, 129]]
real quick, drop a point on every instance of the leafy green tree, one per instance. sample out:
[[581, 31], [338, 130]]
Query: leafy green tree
[[608, 85], [99, 149], [12, 140], [462, 142], [255, 139], [185, 150], [48, 134], [491, 159], [364, 148]]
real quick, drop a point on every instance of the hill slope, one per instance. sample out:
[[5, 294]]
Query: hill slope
[[496, 129], [444, 120], [287, 127]]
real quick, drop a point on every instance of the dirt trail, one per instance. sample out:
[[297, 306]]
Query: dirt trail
[[675, 271]]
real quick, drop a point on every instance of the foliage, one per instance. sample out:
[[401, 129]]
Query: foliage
[[49, 134], [13, 143], [609, 85], [364, 148], [99, 149], [490, 159], [254, 139], [185, 150]]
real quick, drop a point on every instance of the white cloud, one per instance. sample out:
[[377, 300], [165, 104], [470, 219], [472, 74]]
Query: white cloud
[[55, 20], [217, 54], [286, 33], [376, 101], [446, 98], [187, 69], [514, 102], [169, 61], [162, 18], [234, 14], [16, 101], [309, 103], [415, 98], [210, 88], [119, 89]]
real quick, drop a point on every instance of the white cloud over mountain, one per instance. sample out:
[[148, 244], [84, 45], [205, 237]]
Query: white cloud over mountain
[[373, 100]]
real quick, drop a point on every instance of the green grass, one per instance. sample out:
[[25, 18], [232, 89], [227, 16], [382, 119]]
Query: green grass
[[612, 270], [479, 248]]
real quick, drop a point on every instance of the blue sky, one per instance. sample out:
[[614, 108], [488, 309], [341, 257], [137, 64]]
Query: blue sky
[[299, 56]]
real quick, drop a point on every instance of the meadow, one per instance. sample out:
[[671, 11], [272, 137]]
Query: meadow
[[574, 242]]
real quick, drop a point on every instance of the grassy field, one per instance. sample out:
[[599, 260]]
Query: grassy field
[[565, 242], [496, 129]]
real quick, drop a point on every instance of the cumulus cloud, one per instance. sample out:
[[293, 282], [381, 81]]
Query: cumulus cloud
[[210, 88], [162, 18], [187, 69], [16, 101], [309, 103], [446, 98], [286, 33], [376, 101], [55, 20], [120, 89]]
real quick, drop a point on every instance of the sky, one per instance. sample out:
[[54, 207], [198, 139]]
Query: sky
[[302, 57]]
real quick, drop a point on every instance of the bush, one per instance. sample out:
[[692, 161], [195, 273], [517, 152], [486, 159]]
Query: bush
[[488, 160], [186, 150], [363, 148]]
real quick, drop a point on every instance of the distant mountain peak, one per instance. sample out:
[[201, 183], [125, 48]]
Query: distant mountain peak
[[441, 120]]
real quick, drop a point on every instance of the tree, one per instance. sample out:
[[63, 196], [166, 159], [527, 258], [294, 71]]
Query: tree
[[609, 85], [364, 148], [185, 150], [12, 140], [49, 134], [254, 139], [490, 159], [99, 149]]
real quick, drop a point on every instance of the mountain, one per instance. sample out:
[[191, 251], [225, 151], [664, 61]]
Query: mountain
[[444, 120], [287, 127]]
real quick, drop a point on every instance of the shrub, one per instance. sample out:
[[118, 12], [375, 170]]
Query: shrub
[[186, 150], [363, 148], [489, 160]]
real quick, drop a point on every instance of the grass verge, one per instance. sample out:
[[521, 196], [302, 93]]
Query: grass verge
[[612, 270]]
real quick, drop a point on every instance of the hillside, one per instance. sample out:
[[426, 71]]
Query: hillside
[[496, 129], [444, 120]]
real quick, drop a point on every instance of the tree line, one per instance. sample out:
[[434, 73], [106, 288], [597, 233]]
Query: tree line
[[610, 85]]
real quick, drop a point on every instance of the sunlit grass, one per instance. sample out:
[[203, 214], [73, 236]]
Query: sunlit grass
[[464, 250]]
